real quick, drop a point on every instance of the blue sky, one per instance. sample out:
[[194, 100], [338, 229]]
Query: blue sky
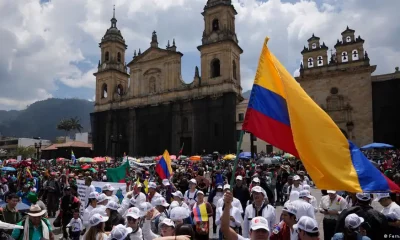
[[51, 47]]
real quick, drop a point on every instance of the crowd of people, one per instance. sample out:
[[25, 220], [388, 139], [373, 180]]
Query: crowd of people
[[198, 202]]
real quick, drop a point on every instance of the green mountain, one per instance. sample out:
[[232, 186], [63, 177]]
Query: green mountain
[[40, 119]]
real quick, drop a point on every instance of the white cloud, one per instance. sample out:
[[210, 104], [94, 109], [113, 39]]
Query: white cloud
[[43, 43]]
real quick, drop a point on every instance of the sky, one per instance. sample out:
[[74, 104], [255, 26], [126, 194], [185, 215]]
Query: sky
[[49, 48]]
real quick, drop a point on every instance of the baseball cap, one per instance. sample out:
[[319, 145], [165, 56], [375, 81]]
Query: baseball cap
[[160, 201], [331, 191], [177, 194], [302, 193], [239, 177], [96, 219], [112, 205], [363, 196], [227, 186], [353, 221], [307, 224], [193, 181], [120, 232], [219, 187], [133, 212], [144, 207], [165, 182], [93, 195], [152, 185], [200, 192], [167, 222], [256, 179], [306, 187], [108, 187], [259, 223], [290, 208], [296, 177], [179, 213], [379, 196], [257, 189], [102, 197]]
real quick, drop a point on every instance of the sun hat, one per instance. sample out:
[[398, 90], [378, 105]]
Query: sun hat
[[177, 194], [353, 221], [36, 211], [379, 196], [108, 187], [120, 232], [307, 224], [96, 219], [133, 212], [112, 205], [259, 223]]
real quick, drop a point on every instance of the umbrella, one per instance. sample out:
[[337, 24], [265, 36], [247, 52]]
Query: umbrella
[[195, 158], [267, 161], [288, 155], [99, 159], [245, 155], [85, 160], [376, 145], [229, 157], [182, 157], [11, 169]]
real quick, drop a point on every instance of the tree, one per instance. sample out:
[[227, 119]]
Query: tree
[[25, 152], [75, 124], [66, 126]]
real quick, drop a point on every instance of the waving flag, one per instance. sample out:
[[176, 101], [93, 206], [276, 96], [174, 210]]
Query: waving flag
[[118, 174], [200, 213], [281, 113], [163, 168], [73, 158]]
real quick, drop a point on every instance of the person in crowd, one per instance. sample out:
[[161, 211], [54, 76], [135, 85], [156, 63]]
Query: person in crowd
[[235, 217], [331, 206], [235, 202], [178, 197], [36, 227], [75, 226], [191, 194], [96, 230], [92, 204], [286, 189], [307, 228], [108, 190], [296, 184], [304, 208], [114, 218], [52, 189], [352, 229], [391, 210], [202, 227], [67, 206], [241, 192], [285, 229], [153, 194], [132, 221], [9, 213]]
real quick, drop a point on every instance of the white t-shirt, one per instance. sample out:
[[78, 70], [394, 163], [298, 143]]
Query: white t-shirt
[[234, 212], [392, 211], [303, 209], [76, 225], [242, 238], [190, 198]]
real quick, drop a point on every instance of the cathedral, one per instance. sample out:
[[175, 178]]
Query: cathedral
[[364, 106], [142, 105]]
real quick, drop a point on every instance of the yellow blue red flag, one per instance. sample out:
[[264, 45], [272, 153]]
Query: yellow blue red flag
[[281, 113], [163, 167]]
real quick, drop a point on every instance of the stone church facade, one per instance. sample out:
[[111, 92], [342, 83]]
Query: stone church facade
[[144, 107], [344, 87]]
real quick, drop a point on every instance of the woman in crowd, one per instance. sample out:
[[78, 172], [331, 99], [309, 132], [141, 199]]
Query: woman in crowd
[[96, 230]]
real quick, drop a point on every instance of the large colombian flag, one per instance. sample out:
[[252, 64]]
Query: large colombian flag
[[281, 113], [163, 168]]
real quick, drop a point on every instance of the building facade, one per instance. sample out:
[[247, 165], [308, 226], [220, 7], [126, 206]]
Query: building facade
[[9, 145], [344, 87], [149, 108]]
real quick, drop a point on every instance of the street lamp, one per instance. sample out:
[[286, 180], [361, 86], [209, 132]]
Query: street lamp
[[38, 146]]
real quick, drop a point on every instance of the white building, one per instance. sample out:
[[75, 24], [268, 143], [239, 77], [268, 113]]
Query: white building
[[9, 145]]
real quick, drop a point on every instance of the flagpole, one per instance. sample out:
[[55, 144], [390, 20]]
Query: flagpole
[[237, 158]]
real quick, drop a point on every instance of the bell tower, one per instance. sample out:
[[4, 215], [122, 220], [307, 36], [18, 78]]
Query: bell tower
[[111, 75], [220, 51]]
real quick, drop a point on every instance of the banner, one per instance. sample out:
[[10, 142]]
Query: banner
[[120, 191]]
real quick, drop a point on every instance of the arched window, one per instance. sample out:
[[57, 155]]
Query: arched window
[[185, 124], [314, 46], [320, 61], [354, 55], [310, 62], [120, 90], [215, 25], [234, 69], [104, 91], [345, 57], [215, 68], [119, 57], [152, 85], [107, 56], [348, 39]]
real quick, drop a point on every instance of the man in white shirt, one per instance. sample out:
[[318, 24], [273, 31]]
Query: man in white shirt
[[236, 203], [108, 190], [89, 188], [390, 209], [296, 184], [310, 199], [259, 208], [190, 196], [303, 207], [153, 194], [331, 206]]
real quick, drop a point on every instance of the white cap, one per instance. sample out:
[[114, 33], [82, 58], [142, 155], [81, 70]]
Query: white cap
[[308, 194], [256, 179], [144, 207], [379, 196], [96, 219], [173, 205], [179, 213], [168, 222], [101, 209], [294, 195], [306, 187], [353, 221], [302, 193], [290, 208], [120, 232], [93, 195], [296, 177], [259, 223], [160, 201], [108, 187], [239, 177], [331, 191], [133, 212], [200, 192], [227, 186], [193, 181], [152, 185], [177, 194], [363, 196], [257, 189], [307, 224], [102, 197], [165, 182], [112, 205], [219, 186]]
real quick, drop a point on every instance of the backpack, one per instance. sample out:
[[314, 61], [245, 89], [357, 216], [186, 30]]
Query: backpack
[[195, 195]]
